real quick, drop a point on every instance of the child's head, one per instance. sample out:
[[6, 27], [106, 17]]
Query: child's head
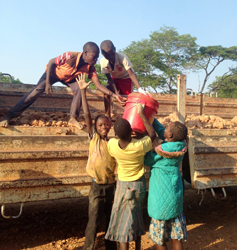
[[176, 131], [122, 129], [91, 53], [102, 125], [108, 50]]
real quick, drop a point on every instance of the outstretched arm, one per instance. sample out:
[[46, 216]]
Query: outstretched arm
[[104, 90], [150, 130], [133, 78], [136, 83], [83, 86], [159, 128]]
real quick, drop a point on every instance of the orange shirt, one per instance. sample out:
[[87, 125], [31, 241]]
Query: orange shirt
[[67, 67]]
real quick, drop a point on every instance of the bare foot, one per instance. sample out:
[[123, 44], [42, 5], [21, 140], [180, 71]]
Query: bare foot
[[5, 121], [74, 123]]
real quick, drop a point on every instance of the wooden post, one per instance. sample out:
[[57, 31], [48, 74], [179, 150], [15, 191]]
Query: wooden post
[[181, 97], [201, 103]]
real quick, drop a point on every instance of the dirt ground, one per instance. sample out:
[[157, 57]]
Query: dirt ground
[[61, 224]]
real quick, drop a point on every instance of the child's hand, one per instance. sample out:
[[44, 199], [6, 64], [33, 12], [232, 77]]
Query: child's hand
[[140, 108], [137, 135], [81, 81], [121, 100]]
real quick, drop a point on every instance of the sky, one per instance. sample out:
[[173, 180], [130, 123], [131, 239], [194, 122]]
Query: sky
[[34, 31]]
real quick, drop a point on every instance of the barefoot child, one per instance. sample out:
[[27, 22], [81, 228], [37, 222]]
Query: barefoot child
[[165, 195], [126, 222], [101, 167]]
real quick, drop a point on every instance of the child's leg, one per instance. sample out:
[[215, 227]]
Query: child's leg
[[123, 245], [138, 243], [107, 102], [177, 245], [159, 247], [95, 212], [109, 245]]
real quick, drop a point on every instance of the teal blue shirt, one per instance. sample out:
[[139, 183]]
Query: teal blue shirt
[[165, 196]]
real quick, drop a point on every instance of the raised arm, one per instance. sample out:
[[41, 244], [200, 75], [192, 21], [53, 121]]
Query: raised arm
[[83, 86], [150, 130]]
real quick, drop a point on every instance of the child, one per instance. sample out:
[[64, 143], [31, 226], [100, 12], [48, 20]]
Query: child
[[118, 70], [64, 68], [126, 222], [101, 167], [165, 195]]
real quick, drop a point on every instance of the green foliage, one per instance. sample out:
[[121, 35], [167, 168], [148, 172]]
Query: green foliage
[[143, 58], [6, 78], [226, 85], [210, 57], [102, 77], [157, 61]]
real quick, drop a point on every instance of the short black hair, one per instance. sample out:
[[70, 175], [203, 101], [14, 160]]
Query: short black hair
[[98, 117], [122, 129], [179, 131], [91, 46], [106, 45]]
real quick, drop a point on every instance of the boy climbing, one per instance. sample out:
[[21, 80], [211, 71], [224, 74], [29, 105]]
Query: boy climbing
[[64, 68]]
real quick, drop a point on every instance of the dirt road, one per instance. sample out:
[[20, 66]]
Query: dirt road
[[61, 225]]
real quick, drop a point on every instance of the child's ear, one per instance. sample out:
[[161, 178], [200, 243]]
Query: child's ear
[[171, 135]]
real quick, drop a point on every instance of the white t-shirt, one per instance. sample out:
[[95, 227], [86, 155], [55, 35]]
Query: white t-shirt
[[122, 64]]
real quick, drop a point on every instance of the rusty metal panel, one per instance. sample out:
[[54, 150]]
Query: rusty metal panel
[[24, 143], [213, 158], [59, 101], [40, 165], [223, 107], [50, 192], [62, 96]]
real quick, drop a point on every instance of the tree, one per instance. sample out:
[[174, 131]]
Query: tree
[[102, 77], [210, 57], [143, 58], [157, 61], [226, 85], [177, 53], [6, 78]]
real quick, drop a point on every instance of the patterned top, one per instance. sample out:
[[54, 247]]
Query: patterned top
[[165, 195], [67, 67]]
